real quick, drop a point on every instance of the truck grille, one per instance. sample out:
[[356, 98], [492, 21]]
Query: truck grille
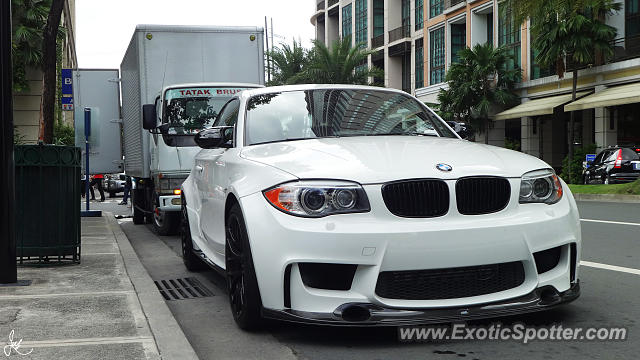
[[417, 198], [482, 195], [452, 283]]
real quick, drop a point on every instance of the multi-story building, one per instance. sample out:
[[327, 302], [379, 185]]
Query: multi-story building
[[26, 105], [417, 40], [394, 28]]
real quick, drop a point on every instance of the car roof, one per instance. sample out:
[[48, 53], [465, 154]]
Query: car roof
[[284, 88]]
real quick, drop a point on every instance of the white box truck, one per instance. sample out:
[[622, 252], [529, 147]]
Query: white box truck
[[174, 80]]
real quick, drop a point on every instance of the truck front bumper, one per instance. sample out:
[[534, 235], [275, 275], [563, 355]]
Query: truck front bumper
[[169, 202]]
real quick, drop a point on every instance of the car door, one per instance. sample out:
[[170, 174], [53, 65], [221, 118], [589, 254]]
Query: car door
[[598, 166], [214, 183]]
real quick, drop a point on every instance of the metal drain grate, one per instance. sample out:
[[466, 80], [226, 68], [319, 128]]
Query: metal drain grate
[[180, 289]]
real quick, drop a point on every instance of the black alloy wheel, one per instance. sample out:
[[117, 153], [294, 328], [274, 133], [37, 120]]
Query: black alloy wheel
[[242, 285]]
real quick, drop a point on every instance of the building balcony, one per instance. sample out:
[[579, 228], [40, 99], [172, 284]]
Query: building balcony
[[377, 41], [399, 33], [332, 2], [452, 5], [320, 6]]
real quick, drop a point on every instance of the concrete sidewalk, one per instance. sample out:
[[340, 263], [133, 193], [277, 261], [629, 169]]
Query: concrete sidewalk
[[105, 308]]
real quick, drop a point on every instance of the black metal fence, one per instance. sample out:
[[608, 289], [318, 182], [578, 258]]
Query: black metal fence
[[377, 41], [399, 33], [47, 204]]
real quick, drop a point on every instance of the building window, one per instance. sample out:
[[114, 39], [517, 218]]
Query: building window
[[436, 56], [458, 40], [509, 35], [406, 16], [631, 18], [361, 22], [346, 23], [419, 68], [435, 7], [419, 15], [537, 71], [378, 18]]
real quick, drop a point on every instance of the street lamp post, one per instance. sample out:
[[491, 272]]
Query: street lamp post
[[8, 267]]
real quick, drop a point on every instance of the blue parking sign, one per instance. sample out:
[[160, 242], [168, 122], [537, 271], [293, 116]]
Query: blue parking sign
[[67, 81], [589, 158]]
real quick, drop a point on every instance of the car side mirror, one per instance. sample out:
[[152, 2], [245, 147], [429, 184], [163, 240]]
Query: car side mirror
[[149, 117], [215, 137]]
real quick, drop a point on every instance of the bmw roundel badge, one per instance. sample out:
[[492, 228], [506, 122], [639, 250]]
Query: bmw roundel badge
[[444, 167]]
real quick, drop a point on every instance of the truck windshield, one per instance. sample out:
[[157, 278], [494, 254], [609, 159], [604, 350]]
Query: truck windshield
[[189, 110]]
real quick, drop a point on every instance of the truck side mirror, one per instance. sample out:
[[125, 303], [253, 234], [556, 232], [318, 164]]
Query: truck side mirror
[[149, 117], [215, 137]]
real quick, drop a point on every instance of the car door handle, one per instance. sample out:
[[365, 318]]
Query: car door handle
[[199, 168]]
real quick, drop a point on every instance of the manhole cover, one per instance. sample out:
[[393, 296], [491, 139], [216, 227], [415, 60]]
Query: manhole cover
[[184, 288]]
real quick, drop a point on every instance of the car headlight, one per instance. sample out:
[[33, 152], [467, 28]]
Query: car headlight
[[540, 186], [318, 198]]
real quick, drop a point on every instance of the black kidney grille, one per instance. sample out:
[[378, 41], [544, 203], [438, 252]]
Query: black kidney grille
[[417, 198], [482, 195], [452, 283]]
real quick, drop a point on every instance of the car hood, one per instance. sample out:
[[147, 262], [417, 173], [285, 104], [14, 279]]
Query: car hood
[[378, 159]]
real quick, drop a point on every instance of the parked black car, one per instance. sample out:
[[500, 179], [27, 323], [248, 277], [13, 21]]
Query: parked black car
[[613, 165]]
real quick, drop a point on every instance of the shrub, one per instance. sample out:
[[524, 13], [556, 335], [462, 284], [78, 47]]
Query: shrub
[[575, 164]]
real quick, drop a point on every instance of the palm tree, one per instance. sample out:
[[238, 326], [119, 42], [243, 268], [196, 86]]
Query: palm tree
[[29, 18], [479, 80], [566, 30], [287, 63], [340, 64]]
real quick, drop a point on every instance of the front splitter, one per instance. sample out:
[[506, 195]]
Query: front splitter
[[540, 299]]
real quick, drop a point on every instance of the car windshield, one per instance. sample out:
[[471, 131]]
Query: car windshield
[[319, 113], [188, 110]]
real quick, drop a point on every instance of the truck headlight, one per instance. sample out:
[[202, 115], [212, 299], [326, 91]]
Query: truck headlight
[[318, 198], [540, 186]]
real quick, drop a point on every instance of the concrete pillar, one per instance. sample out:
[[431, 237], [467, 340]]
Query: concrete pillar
[[496, 133], [530, 136], [606, 128]]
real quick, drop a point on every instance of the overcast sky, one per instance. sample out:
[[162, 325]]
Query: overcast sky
[[104, 28]]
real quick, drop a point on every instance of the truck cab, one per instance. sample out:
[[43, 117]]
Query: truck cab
[[180, 111]]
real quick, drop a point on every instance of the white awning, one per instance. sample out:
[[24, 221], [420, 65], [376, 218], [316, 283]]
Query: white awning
[[543, 106], [617, 95]]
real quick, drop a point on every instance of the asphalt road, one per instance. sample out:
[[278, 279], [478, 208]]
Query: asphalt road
[[609, 299]]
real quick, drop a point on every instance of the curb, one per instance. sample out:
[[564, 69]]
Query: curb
[[169, 338], [608, 198]]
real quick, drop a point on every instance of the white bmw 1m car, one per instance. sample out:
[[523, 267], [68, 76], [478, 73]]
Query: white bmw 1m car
[[356, 205]]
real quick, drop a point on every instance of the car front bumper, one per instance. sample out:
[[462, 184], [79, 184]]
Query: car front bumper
[[379, 241], [540, 299]]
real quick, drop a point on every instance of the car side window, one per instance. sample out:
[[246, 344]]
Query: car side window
[[229, 114], [599, 158]]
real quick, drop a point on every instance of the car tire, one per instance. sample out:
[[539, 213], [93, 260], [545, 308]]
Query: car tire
[[242, 284], [164, 222], [191, 261]]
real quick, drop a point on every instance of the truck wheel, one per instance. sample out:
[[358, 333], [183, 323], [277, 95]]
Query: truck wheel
[[242, 284], [191, 261], [164, 222]]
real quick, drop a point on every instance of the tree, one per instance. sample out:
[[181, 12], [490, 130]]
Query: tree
[[566, 30], [340, 64], [477, 81], [29, 18], [49, 39], [287, 64]]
